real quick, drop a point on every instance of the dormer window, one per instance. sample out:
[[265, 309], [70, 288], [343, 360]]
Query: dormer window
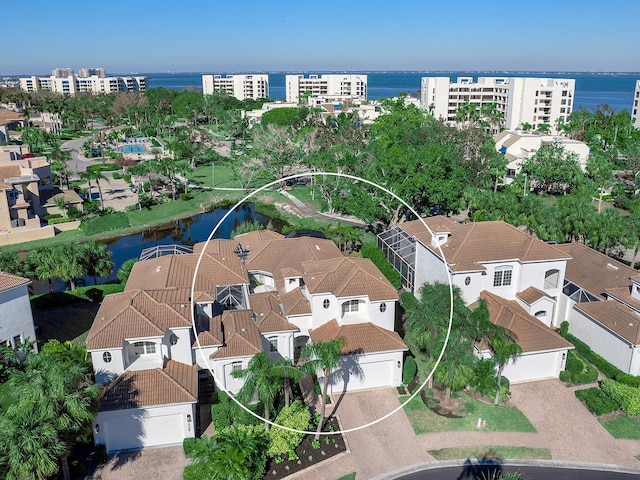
[[502, 276]]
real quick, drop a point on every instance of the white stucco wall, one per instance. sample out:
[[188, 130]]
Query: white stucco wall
[[529, 367], [181, 351], [104, 372], [384, 319], [604, 342], [15, 315], [134, 428], [373, 370], [322, 315], [428, 268]]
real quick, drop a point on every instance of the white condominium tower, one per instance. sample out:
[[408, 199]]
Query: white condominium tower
[[240, 86], [635, 110], [533, 101], [88, 80], [347, 86]]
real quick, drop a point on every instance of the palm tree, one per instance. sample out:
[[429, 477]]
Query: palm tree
[[96, 259], [504, 348], [260, 377], [29, 444], [455, 369], [61, 395], [41, 264], [325, 355], [286, 371], [96, 175]]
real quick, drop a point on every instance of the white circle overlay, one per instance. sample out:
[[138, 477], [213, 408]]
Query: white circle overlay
[[267, 186]]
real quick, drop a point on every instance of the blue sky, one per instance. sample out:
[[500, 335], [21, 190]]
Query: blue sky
[[244, 36]]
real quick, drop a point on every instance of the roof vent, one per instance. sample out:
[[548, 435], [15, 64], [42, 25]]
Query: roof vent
[[612, 267], [630, 324], [317, 248], [158, 268]]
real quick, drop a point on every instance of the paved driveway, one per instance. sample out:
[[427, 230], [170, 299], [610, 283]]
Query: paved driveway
[[563, 425]]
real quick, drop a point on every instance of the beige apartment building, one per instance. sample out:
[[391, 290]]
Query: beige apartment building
[[240, 86], [88, 80], [534, 101], [334, 86]]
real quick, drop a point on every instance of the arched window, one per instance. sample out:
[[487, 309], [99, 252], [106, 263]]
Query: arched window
[[502, 276], [551, 278], [350, 306]]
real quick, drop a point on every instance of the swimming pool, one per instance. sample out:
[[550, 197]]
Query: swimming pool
[[133, 148]]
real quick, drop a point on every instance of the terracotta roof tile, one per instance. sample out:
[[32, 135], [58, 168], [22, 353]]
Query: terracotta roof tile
[[471, 244], [614, 316], [623, 294], [531, 295], [268, 308], [360, 338], [241, 336], [295, 303], [132, 314], [176, 383], [8, 281], [593, 271], [532, 335], [348, 277]]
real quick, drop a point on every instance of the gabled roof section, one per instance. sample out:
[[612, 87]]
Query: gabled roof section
[[360, 338], [221, 267], [267, 307], [9, 281], [472, 244], [532, 335], [241, 336], [593, 271], [176, 383], [346, 277], [532, 294], [614, 316], [623, 294], [133, 314], [295, 303]]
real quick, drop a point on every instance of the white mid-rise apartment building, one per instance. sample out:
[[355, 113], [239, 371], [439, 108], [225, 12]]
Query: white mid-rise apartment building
[[533, 101], [88, 80], [635, 110], [344, 86], [240, 86]]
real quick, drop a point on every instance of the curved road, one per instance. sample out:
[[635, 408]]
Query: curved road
[[528, 473]]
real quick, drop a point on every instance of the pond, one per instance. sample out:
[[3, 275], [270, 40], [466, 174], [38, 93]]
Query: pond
[[188, 231]]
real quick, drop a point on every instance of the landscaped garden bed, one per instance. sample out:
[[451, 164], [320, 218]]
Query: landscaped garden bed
[[309, 452]]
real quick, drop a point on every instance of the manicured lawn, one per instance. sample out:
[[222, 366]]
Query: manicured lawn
[[304, 194], [499, 419], [455, 453], [351, 476], [222, 172], [623, 427]]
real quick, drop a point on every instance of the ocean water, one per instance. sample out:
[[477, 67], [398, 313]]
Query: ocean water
[[592, 89]]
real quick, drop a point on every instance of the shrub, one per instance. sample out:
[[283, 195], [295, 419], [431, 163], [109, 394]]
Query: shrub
[[55, 221], [409, 370], [565, 376], [581, 371], [373, 253], [226, 413], [628, 398], [46, 218], [187, 445], [101, 453], [484, 377], [596, 401], [117, 176], [284, 442], [564, 328]]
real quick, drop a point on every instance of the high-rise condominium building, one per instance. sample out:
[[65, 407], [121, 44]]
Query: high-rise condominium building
[[533, 101], [240, 86], [347, 86], [88, 80], [635, 110]]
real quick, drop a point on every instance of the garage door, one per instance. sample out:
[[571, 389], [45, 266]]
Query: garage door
[[366, 375], [130, 432]]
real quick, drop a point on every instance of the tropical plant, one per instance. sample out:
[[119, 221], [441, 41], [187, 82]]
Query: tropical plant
[[125, 270], [96, 259], [503, 348], [325, 356], [95, 175]]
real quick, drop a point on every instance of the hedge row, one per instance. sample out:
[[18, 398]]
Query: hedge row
[[597, 401], [105, 223], [409, 371], [628, 398], [373, 253], [609, 370]]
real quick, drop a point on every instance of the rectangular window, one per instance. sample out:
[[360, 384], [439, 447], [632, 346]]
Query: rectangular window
[[273, 344], [349, 306], [502, 277], [236, 366], [17, 341]]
